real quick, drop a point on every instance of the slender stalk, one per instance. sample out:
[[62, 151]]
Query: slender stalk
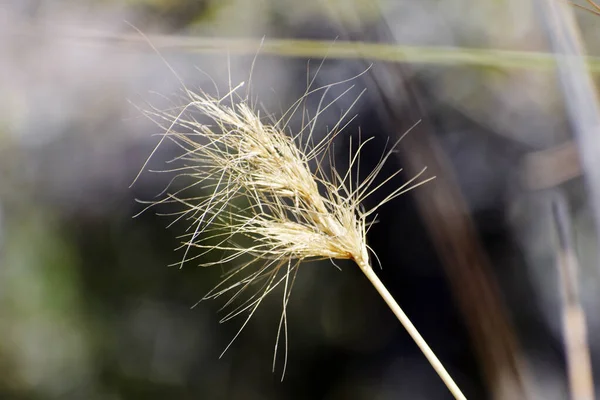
[[412, 330], [433, 55], [581, 381]]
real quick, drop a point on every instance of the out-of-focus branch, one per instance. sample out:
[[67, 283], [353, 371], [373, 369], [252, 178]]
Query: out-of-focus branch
[[483, 58], [453, 233], [551, 167]]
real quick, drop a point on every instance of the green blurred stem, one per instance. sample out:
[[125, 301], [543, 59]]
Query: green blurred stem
[[490, 58]]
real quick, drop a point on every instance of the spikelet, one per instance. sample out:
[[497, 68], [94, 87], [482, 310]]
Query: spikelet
[[260, 189]]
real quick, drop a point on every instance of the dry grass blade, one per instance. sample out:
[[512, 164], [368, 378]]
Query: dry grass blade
[[264, 207]]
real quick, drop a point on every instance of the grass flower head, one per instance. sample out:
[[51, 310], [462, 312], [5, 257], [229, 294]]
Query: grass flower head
[[273, 198]]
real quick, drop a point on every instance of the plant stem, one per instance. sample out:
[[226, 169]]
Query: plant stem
[[476, 57], [579, 365], [412, 330]]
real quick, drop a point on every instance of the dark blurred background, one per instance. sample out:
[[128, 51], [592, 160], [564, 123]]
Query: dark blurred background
[[89, 308]]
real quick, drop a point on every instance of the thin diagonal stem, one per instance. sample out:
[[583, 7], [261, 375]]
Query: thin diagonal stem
[[412, 330]]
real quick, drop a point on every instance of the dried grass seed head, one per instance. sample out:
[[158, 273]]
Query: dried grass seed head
[[260, 186]]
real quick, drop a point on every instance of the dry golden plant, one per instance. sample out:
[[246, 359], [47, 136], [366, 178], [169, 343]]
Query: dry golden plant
[[264, 209]]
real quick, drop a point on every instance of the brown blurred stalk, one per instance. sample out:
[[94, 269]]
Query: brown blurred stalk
[[447, 218]]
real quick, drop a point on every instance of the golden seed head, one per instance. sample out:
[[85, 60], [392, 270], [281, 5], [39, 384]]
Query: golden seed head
[[260, 186]]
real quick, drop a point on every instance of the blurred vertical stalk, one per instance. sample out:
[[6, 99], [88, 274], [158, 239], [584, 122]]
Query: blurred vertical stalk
[[579, 365], [579, 93], [446, 216], [584, 113]]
